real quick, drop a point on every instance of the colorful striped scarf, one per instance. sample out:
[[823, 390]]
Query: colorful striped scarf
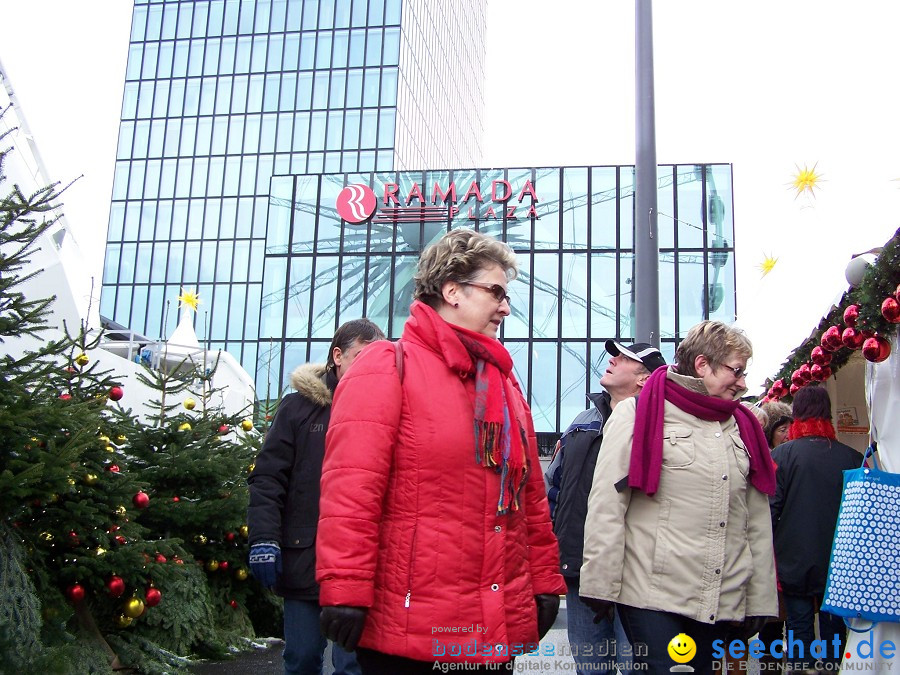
[[500, 440]]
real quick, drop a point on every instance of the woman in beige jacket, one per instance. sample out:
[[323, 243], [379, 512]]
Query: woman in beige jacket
[[678, 532]]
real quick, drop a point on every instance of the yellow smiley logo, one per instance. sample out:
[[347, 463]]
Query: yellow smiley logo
[[682, 648]]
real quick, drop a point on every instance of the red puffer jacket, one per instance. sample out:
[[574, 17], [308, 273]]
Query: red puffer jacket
[[408, 525]]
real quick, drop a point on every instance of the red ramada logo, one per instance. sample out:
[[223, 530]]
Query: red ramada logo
[[356, 203]]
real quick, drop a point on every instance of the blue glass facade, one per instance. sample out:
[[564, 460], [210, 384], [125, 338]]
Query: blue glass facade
[[571, 229]]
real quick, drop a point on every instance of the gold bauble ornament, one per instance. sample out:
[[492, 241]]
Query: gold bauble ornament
[[240, 574], [133, 607], [251, 467], [244, 531], [110, 448], [101, 550], [200, 539], [71, 481], [184, 427], [121, 511], [82, 359], [246, 425], [121, 438], [90, 478], [46, 536], [104, 439], [189, 403], [123, 621], [212, 565]]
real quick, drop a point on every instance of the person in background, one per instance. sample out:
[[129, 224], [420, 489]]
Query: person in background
[[780, 418], [776, 428], [596, 647], [678, 532], [435, 541], [284, 500], [810, 481]]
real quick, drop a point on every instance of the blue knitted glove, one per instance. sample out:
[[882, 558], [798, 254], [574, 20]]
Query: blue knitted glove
[[265, 562]]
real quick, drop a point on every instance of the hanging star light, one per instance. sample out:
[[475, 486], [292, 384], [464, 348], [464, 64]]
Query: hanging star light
[[189, 299], [806, 180], [767, 265]]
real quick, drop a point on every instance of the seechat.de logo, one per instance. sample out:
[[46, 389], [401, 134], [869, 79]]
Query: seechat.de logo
[[356, 203]]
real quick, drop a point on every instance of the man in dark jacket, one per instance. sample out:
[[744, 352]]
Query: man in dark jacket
[[596, 647], [284, 501], [809, 483]]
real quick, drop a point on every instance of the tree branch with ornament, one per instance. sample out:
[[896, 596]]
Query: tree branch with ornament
[[865, 319]]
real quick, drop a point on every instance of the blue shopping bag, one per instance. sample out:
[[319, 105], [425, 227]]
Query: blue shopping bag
[[864, 572]]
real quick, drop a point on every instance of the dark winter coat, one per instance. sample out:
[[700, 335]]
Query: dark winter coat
[[409, 526], [284, 484], [805, 509], [570, 476]]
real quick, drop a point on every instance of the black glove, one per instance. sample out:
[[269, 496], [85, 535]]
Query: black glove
[[603, 609], [746, 629], [547, 609], [343, 625]]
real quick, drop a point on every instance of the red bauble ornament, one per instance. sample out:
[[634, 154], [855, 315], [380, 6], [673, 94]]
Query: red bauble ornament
[[826, 372], [114, 468], [852, 338], [175, 499], [116, 393], [876, 349], [780, 388], [229, 536], [804, 373], [141, 500], [851, 315], [160, 558], [152, 597], [831, 339], [233, 604], [816, 372], [120, 539], [890, 309], [75, 593], [224, 429], [115, 585], [794, 389], [820, 356], [73, 539], [65, 397], [223, 566], [797, 379]]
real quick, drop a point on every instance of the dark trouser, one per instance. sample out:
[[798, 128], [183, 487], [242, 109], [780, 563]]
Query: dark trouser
[[800, 633], [379, 663], [650, 632]]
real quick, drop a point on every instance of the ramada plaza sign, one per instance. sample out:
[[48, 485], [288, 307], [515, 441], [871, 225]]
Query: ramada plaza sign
[[357, 203]]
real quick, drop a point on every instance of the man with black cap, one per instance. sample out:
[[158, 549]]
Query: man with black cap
[[596, 648]]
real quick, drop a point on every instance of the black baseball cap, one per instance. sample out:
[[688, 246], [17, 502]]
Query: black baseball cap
[[649, 355]]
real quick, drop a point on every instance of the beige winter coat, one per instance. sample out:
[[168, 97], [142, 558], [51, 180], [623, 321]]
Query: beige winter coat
[[700, 547]]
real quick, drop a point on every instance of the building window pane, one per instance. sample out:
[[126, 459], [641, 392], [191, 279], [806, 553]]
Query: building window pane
[[373, 48]]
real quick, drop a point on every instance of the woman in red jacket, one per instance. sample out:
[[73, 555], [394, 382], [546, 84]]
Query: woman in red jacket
[[435, 542]]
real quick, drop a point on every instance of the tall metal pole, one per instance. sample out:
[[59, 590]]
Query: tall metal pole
[[646, 243]]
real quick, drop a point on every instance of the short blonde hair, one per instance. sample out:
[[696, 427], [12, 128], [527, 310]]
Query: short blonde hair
[[714, 340], [459, 256]]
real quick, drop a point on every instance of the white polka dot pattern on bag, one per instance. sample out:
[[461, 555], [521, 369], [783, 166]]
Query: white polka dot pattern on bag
[[864, 575]]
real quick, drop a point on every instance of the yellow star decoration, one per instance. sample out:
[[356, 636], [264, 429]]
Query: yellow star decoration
[[806, 180], [767, 265], [189, 299]]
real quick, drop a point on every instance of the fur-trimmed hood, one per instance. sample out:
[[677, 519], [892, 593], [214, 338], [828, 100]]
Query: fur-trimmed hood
[[309, 381]]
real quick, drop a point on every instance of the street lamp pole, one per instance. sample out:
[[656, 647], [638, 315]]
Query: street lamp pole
[[646, 242]]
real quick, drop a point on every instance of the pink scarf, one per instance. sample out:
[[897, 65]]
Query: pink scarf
[[647, 446]]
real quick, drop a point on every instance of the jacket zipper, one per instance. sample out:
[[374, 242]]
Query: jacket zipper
[[412, 552]]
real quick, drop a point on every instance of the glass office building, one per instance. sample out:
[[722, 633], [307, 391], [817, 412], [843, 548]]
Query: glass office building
[[571, 228], [222, 95]]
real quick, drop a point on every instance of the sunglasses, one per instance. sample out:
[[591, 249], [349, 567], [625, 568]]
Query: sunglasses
[[738, 372], [496, 290]]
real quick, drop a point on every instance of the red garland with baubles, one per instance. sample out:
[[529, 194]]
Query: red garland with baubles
[[865, 319]]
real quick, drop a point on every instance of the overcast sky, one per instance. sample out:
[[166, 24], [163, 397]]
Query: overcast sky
[[766, 86]]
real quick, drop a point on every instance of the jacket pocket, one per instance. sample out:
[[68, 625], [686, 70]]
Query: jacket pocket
[[741, 456], [678, 447], [661, 544]]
